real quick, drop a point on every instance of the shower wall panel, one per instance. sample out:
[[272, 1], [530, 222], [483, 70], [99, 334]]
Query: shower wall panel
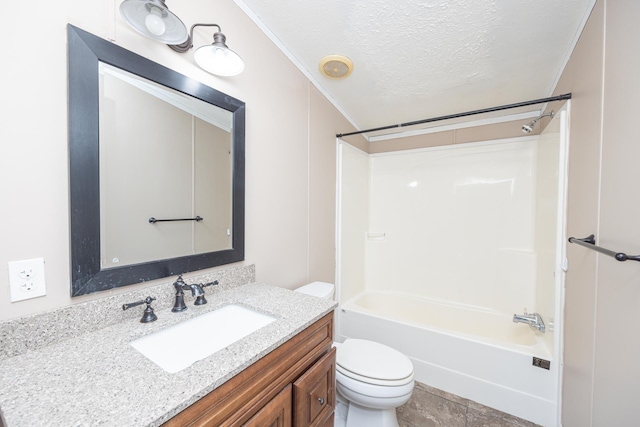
[[455, 224], [547, 224], [353, 219]]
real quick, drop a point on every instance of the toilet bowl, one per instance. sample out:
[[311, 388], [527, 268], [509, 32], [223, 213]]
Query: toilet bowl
[[372, 379]]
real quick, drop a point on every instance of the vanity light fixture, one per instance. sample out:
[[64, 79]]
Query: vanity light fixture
[[215, 58], [152, 19]]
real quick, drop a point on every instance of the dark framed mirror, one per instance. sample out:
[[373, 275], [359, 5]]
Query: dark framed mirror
[[150, 197]]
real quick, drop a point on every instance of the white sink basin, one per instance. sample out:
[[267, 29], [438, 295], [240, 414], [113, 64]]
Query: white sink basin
[[180, 346]]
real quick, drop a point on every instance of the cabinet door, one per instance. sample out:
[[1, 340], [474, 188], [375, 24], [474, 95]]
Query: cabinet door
[[314, 397], [276, 413], [329, 422]]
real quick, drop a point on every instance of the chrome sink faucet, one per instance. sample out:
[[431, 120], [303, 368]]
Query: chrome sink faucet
[[197, 290], [534, 320]]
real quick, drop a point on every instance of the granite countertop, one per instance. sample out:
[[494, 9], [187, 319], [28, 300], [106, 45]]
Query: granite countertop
[[99, 379]]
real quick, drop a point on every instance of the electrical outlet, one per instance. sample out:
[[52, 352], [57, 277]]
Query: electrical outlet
[[26, 279]]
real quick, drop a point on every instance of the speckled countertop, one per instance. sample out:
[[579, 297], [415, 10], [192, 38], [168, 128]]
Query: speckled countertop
[[99, 379]]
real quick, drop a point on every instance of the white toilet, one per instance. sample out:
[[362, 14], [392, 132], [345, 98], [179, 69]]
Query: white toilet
[[372, 379]]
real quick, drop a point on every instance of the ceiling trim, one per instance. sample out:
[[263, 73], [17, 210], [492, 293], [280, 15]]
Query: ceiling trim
[[256, 20]]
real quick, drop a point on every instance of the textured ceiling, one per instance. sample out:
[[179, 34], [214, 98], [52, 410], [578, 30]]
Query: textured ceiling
[[420, 59]]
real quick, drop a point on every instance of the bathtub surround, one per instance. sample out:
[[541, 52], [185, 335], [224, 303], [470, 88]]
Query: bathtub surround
[[40, 330], [459, 224], [439, 247]]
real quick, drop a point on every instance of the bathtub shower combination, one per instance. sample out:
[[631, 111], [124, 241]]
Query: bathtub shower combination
[[440, 248]]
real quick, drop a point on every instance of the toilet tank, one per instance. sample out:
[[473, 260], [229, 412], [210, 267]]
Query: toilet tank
[[317, 289]]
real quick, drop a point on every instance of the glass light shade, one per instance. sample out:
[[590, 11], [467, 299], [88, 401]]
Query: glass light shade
[[218, 60], [152, 19], [154, 22]]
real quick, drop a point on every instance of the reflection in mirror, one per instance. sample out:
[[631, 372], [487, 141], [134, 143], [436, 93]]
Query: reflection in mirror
[[146, 142], [163, 155]]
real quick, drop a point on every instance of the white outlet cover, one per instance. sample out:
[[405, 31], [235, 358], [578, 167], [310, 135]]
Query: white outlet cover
[[26, 279]]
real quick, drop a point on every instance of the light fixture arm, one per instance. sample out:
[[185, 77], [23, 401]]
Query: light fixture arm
[[188, 44]]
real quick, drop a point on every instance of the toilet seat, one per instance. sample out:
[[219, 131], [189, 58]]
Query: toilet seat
[[371, 395], [373, 381], [373, 363]]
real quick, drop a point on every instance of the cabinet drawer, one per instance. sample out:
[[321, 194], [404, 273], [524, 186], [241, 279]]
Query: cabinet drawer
[[314, 397]]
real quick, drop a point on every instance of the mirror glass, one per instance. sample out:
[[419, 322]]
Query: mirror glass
[[156, 169], [165, 172]]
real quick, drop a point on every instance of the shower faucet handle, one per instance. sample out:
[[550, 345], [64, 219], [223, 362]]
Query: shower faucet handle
[[534, 320]]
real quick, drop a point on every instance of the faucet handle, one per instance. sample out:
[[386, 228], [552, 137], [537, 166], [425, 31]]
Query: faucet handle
[[201, 300], [147, 315], [132, 304], [179, 283], [204, 285]]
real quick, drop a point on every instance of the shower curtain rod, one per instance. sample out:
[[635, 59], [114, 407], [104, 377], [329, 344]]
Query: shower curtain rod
[[468, 113]]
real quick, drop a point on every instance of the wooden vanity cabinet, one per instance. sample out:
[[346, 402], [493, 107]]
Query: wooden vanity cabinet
[[276, 413], [294, 385], [314, 393]]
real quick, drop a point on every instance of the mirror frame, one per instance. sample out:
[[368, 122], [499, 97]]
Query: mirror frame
[[85, 51]]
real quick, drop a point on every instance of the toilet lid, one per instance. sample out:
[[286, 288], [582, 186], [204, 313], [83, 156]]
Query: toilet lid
[[373, 360]]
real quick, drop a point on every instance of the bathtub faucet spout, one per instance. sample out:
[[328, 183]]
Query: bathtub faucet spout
[[534, 320]]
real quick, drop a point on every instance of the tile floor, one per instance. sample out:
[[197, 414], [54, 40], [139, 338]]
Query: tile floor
[[431, 407]]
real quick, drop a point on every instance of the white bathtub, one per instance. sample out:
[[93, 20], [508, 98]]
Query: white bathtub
[[472, 352]]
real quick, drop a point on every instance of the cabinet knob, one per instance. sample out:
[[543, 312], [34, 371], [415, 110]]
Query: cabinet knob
[[321, 400]]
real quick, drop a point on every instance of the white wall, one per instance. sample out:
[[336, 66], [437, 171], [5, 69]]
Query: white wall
[[287, 120]]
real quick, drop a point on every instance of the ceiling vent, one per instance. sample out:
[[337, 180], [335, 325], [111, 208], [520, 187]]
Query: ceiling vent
[[336, 66]]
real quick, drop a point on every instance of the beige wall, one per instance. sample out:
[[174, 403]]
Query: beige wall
[[490, 132], [323, 128], [616, 373], [290, 143], [582, 77], [601, 378]]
